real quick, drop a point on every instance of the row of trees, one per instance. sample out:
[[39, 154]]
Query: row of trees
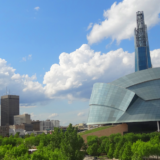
[[127, 147], [69, 146], [55, 146]]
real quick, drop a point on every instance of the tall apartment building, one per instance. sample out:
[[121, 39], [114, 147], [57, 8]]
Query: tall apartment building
[[9, 108], [49, 124], [20, 119]]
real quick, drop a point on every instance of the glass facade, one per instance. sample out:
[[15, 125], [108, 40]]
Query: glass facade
[[132, 98], [142, 53], [142, 58]]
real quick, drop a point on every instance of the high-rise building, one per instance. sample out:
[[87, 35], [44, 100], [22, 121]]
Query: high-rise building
[[9, 108], [142, 52]]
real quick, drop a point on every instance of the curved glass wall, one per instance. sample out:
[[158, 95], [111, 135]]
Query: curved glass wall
[[102, 114], [138, 77], [142, 111], [148, 90], [132, 98], [112, 96]]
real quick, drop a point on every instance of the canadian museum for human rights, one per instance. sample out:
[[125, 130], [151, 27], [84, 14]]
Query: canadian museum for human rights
[[133, 99]]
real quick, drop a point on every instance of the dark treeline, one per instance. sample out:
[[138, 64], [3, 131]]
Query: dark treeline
[[127, 147]]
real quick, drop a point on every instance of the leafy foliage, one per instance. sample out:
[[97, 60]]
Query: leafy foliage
[[55, 146]]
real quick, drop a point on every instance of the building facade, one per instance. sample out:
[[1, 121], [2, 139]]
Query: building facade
[[142, 52], [49, 124], [133, 99], [4, 131], [9, 108], [24, 126], [20, 119], [36, 125]]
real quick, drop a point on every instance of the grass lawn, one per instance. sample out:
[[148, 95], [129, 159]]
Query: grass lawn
[[94, 130]]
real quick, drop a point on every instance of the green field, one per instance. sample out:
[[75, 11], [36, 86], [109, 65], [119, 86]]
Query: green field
[[94, 130]]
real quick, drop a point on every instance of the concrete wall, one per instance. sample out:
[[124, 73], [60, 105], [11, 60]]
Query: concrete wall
[[107, 132]]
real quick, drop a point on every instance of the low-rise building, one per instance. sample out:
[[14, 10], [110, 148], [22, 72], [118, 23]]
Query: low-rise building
[[36, 125], [27, 127], [49, 124], [4, 131], [20, 119]]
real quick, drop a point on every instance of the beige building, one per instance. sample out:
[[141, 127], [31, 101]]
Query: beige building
[[20, 119], [24, 126], [81, 126]]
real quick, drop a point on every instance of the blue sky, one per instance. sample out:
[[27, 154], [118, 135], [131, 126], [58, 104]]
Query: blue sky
[[52, 52]]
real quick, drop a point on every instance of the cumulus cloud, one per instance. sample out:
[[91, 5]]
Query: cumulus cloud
[[37, 8], [27, 87], [74, 76], [90, 26], [120, 20], [76, 72], [155, 56], [32, 115], [80, 114], [53, 115]]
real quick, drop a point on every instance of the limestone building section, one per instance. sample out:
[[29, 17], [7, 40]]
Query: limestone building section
[[49, 124], [20, 119]]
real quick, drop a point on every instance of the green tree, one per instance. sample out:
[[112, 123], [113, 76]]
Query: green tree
[[93, 145], [71, 144], [56, 138], [127, 152], [118, 147], [102, 143], [111, 151]]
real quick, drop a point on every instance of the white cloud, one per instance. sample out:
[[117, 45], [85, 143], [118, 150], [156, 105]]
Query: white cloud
[[89, 26], [120, 20], [37, 8], [24, 59], [155, 56], [74, 76], [80, 114], [23, 85], [53, 115], [27, 106], [29, 57], [76, 72], [32, 115]]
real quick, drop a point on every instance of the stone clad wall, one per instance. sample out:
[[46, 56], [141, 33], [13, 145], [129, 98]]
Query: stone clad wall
[[108, 131]]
